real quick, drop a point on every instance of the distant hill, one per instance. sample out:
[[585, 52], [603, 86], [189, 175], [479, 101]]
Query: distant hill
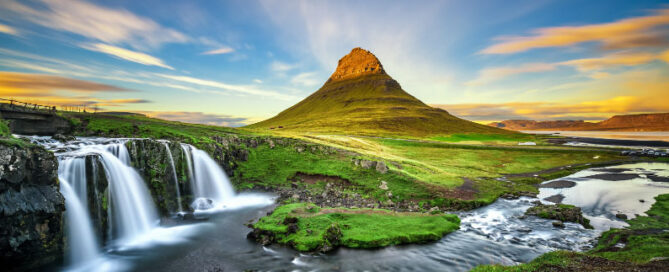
[[633, 122], [360, 98]]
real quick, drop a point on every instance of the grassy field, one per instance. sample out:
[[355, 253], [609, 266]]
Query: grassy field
[[644, 239], [306, 227], [144, 127], [422, 170]]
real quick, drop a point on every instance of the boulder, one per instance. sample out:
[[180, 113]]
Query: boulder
[[381, 167]]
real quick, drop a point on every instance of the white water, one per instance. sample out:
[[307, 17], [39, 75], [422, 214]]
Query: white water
[[131, 204], [174, 176], [81, 239], [209, 182]]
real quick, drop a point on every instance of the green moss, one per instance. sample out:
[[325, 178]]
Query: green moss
[[4, 129], [307, 227]]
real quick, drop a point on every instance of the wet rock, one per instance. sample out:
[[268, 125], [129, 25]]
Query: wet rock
[[32, 208], [558, 224], [621, 216], [555, 198], [558, 184], [63, 138], [614, 176], [560, 212]]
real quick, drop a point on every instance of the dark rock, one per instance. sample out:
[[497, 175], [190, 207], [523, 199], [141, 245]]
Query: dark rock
[[62, 138], [555, 199], [31, 225], [558, 184], [621, 216], [558, 224], [614, 176]]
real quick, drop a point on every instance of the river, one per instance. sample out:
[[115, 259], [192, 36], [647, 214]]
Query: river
[[497, 233]]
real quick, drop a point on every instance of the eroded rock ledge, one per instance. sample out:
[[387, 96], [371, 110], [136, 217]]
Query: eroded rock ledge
[[31, 208]]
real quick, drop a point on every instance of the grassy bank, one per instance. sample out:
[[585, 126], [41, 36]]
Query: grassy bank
[[628, 249], [306, 227]]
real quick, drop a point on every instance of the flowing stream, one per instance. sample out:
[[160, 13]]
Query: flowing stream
[[141, 241]]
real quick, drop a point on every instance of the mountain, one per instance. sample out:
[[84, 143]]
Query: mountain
[[540, 125], [632, 122], [361, 98]]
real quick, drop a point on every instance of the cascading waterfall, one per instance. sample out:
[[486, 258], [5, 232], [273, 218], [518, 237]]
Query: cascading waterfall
[[210, 184], [131, 204], [81, 238], [174, 175]]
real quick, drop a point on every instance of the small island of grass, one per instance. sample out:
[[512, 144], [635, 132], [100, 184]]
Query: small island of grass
[[307, 227]]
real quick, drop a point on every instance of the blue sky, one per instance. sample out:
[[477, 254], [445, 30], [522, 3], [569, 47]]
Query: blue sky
[[237, 62]]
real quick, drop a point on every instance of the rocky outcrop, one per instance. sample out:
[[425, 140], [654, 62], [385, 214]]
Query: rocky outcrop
[[632, 122], [31, 224], [97, 196], [560, 212], [152, 161], [357, 63]]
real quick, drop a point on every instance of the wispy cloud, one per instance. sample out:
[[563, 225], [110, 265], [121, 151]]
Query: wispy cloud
[[625, 33], [115, 26], [278, 66], [306, 79], [126, 54], [16, 83], [8, 30], [242, 89], [199, 118], [612, 60], [488, 75], [219, 51]]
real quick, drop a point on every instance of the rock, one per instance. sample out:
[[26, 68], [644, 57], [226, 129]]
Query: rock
[[270, 143], [381, 167], [357, 63], [62, 138], [558, 224], [383, 186], [560, 212], [434, 210], [641, 200], [31, 208], [299, 149], [367, 164], [621, 216]]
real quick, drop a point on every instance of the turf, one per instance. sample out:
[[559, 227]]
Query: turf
[[317, 228]]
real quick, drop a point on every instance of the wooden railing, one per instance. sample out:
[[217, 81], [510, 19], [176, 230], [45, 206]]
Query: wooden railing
[[16, 105]]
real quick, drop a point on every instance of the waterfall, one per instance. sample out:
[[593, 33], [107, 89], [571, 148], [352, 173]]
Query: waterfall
[[131, 204], [81, 239], [210, 184], [174, 175]]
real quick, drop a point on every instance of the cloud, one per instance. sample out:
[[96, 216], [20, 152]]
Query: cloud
[[128, 55], [199, 118], [222, 50], [242, 89], [625, 33], [278, 66], [8, 30], [115, 26], [612, 60], [17, 83], [306, 79], [257, 81], [488, 75]]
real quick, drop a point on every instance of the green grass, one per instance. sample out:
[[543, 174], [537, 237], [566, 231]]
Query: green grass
[[644, 239], [354, 228], [487, 138], [144, 127], [369, 105], [4, 129]]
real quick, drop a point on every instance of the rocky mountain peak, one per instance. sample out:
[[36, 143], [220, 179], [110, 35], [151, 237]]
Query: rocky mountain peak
[[357, 63]]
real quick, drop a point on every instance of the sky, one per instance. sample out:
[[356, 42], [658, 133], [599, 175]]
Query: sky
[[233, 63]]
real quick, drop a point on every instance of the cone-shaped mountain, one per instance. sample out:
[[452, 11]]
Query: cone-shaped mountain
[[360, 98]]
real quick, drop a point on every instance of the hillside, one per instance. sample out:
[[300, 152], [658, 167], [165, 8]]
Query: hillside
[[360, 98], [632, 122]]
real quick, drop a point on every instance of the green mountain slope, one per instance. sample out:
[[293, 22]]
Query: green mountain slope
[[360, 98]]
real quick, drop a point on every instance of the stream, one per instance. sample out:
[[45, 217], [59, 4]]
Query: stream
[[497, 233]]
